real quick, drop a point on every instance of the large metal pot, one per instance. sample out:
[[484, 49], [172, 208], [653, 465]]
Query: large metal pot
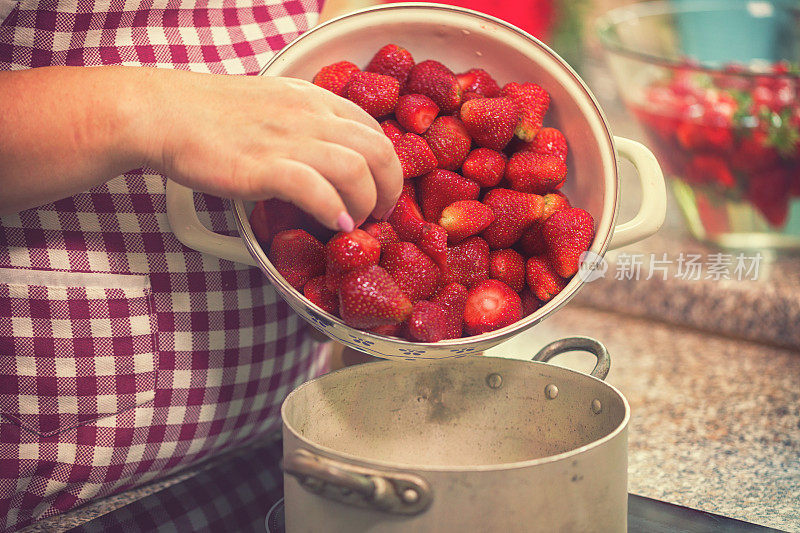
[[462, 39], [473, 444]]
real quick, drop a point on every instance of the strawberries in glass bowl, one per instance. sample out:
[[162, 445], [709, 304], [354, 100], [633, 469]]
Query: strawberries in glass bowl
[[481, 235]]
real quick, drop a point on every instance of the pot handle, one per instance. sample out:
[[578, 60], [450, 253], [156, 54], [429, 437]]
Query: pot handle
[[571, 344], [390, 492], [191, 232], [653, 208]]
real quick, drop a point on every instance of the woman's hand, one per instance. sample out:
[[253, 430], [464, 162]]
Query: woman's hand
[[263, 137], [66, 129]]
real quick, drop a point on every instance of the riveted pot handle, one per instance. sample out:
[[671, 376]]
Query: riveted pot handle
[[390, 492], [572, 344]]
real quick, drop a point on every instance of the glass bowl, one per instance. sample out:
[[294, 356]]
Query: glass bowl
[[714, 84]]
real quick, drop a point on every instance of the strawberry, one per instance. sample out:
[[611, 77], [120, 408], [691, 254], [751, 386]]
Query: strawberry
[[392, 129], [467, 96], [491, 305], [433, 241], [406, 219], [429, 322], [490, 121], [478, 81], [514, 213], [298, 256], [453, 297], [468, 262], [270, 217], [753, 152], [542, 280], [769, 193], [529, 302], [389, 330], [568, 233], [416, 157], [415, 112], [346, 251], [415, 273], [509, 267], [369, 297], [532, 241], [531, 102], [549, 141], [437, 82], [485, 166], [710, 168], [449, 141], [554, 201], [317, 292], [535, 172], [440, 188], [383, 231], [392, 60], [465, 218], [334, 77], [374, 93]]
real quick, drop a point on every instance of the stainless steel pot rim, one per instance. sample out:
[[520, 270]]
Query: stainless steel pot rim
[[552, 306], [464, 468]]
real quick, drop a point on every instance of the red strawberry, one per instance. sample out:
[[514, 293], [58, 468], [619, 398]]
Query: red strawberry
[[449, 141], [391, 60], [415, 273], [433, 242], [346, 251], [479, 82], [549, 141], [753, 152], [437, 82], [406, 219], [466, 97], [542, 280], [490, 121], [270, 217], [440, 188], [531, 102], [383, 231], [509, 267], [485, 166], [514, 213], [453, 297], [334, 77], [389, 330], [429, 322], [415, 112], [568, 233], [374, 93], [769, 193], [491, 305], [468, 262], [298, 256], [710, 168], [529, 302], [392, 129], [535, 172], [532, 241], [318, 293], [369, 297], [465, 218], [416, 157], [555, 201]]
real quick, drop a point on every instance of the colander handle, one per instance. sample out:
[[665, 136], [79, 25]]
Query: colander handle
[[653, 208], [572, 344], [191, 232]]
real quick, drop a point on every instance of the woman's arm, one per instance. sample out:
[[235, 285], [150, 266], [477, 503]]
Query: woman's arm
[[64, 129]]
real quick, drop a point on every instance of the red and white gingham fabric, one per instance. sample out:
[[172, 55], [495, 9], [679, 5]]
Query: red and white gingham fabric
[[125, 356]]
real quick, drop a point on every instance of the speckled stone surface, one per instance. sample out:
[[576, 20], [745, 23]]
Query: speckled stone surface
[[715, 421]]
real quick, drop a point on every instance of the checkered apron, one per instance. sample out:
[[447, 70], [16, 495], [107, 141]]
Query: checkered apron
[[125, 356]]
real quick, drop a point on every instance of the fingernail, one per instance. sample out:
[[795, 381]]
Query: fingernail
[[345, 222], [388, 213]]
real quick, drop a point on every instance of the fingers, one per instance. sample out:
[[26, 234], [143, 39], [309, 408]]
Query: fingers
[[380, 156], [302, 185]]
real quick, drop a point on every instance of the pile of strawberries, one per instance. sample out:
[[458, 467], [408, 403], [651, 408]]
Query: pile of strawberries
[[731, 133], [481, 235]]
